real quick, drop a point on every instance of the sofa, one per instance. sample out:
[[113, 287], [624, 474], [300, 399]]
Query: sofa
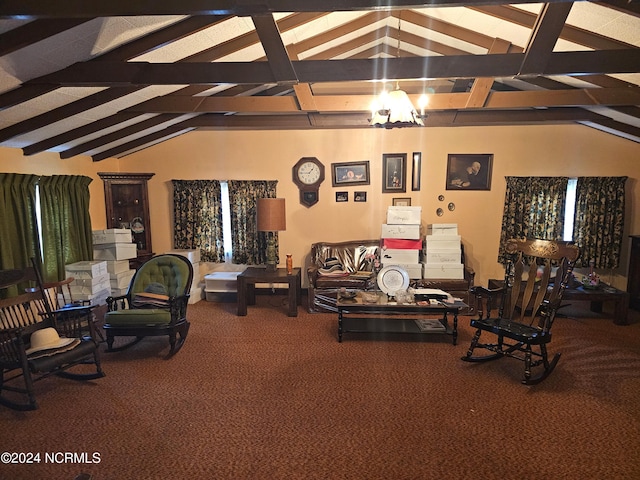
[[353, 256]]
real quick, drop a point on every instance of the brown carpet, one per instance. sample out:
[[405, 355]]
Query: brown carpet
[[272, 397]]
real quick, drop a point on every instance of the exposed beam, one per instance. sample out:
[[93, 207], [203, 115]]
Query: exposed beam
[[35, 31], [110, 8], [505, 65], [544, 37], [274, 48]]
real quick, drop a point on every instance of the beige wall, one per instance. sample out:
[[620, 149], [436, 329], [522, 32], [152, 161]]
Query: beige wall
[[270, 155]]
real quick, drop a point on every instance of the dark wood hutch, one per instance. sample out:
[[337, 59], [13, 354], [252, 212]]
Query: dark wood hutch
[[127, 206]]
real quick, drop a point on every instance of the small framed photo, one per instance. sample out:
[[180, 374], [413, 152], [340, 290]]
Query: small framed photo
[[350, 173], [342, 196], [469, 171], [394, 173], [401, 202], [360, 196]]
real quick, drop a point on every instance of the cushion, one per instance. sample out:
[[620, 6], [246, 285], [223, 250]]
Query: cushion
[[138, 317]]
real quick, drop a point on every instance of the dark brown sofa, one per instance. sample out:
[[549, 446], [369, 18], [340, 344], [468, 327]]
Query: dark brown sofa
[[352, 255]]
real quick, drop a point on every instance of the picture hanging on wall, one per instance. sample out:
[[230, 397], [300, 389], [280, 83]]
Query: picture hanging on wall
[[469, 171], [394, 173], [416, 167], [360, 196], [350, 173], [342, 196]]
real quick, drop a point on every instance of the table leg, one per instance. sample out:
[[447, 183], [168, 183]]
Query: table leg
[[242, 296], [251, 293], [621, 310], [455, 328], [339, 326], [293, 297]]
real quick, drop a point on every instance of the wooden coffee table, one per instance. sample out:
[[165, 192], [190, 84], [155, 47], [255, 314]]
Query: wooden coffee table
[[385, 317]]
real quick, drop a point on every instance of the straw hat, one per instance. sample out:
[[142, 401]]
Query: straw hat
[[47, 339]]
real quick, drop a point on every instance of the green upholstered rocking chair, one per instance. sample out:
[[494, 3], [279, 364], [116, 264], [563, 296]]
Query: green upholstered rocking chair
[[155, 304]]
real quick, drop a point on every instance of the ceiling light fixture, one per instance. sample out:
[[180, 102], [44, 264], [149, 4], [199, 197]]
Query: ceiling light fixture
[[394, 109]]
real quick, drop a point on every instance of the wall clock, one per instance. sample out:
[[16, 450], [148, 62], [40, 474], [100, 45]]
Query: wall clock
[[308, 174]]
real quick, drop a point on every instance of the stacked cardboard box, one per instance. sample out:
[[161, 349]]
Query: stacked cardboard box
[[194, 257], [401, 239], [443, 254], [91, 281], [115, 247], [221, 286]]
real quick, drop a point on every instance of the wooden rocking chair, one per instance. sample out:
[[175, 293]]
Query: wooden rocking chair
[[536, 276]]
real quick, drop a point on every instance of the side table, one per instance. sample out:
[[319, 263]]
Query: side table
[[247, 281]]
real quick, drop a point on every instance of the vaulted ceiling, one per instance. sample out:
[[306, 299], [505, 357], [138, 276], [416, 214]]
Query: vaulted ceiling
[[108, 78]]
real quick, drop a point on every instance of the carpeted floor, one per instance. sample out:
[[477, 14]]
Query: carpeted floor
[[271, 397]]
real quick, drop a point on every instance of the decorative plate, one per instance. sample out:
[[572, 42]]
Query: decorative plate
[[136, 225], [393, 278]]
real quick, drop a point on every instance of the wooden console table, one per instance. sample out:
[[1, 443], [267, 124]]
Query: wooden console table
[[604, 293], [247, 281]]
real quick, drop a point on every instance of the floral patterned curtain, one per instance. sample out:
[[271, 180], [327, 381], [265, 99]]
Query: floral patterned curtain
[[249, 245], [599, 220], [533, 208], [197, 208]]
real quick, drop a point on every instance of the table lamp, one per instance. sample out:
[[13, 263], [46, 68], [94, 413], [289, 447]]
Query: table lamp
[[271, 218]]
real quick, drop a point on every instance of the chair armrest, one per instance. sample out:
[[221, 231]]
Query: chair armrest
[[312, 275], [112, 303]]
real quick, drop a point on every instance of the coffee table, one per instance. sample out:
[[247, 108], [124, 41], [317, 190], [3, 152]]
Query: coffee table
[[247, 281], [356, 316]]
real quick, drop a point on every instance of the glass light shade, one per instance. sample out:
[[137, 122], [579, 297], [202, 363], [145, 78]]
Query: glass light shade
[[395, 109]]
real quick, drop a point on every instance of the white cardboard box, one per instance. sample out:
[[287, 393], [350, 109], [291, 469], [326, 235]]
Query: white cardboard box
[[444, 270], [443, 256], [442, 229], [408, 232], [117, 266], [221, 281], [122, 279], [413, 269], [91, 281], [404, 215], [79, 290], [99, 298], [86, 269], [116, 292], [443, 242], [115, 251], [192, 255], [394, 256], [112, 235]]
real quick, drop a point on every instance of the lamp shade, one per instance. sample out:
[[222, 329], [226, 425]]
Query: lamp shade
[[271, 215], [394, 109]]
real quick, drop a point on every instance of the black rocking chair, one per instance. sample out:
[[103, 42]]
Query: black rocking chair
[[536, 276]]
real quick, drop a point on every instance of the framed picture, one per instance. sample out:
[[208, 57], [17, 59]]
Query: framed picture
[[342, 196], [416, 168], [360, 196], [401, 202], [469, 171], [350, 173], [394, 173]]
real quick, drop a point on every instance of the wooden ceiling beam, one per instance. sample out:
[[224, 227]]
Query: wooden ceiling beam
[[110, 8], [35, 31], [274, 48], [505, 65]]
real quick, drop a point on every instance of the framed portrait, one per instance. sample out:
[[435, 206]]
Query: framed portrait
[[401, 202], [342, 196], [469, 171], [360, 196], [394, 173], [350, 173], [416, 168]]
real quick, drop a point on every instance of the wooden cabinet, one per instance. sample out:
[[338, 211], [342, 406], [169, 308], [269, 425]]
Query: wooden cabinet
[[633, 281], [127, 205]]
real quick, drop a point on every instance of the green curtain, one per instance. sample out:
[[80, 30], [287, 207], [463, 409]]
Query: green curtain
[[20, 241], [533, 208], [249, 245], [66, 223], [197, 210], [599, 220]]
